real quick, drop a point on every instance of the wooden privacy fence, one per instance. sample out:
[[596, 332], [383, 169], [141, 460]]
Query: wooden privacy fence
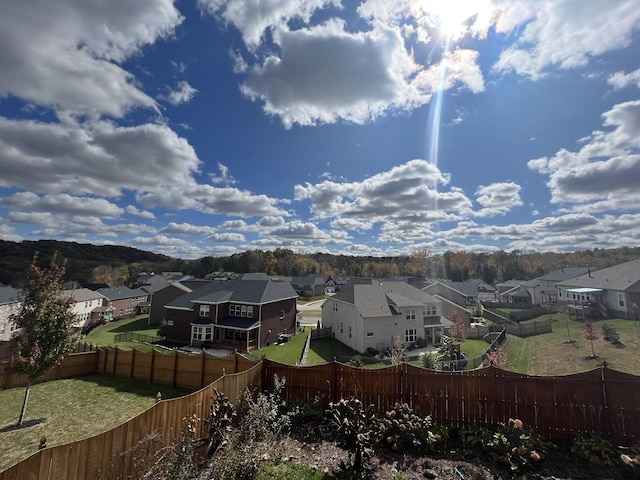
[[519, 330], [129, 450], [602, 401], [177, 368]]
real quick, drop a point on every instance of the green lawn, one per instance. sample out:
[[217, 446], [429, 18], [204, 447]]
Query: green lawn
[[565, 350], [103, 336], [289, 353], [72, 409], [325, 350]]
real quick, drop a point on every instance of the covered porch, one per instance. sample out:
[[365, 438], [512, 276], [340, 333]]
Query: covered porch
[[434, 329]]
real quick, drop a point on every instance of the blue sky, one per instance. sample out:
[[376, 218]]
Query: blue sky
[[381, 127]]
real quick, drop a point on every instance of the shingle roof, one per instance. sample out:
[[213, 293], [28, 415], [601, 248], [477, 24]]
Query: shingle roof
[[237, 290], [625, 276], [375, 298], [119, 293], [8, 294], [83, 294]]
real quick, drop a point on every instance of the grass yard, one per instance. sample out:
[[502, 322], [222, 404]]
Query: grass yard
[[72, 409], [288, 353], [565, 350], [324, 350], [104, 335]]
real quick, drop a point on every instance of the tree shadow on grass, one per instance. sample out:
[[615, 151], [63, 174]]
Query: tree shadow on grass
[[26, 424]]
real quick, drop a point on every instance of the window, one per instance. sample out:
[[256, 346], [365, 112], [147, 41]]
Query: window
[[202, 333], [3, 327], [411, 314], [370, 334], [170, 323], [341, 327], [431, 310], [12, 327], [281, 314], [621, 300], [335, 307], [410, 335], [559, 292], [204, 310], [349, 331]]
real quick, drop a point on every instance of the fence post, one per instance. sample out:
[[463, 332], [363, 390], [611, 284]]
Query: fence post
[[175, 367], [153, 361], [202, 365], [133, 362], [334, 380], [607, 411]]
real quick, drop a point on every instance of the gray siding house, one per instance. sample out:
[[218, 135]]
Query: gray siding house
[[371, 313]]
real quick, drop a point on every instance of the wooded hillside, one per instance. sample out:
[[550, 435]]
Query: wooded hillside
[[91, 263]]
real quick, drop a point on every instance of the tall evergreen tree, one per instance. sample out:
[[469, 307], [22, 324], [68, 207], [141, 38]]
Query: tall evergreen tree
[[44, 323]]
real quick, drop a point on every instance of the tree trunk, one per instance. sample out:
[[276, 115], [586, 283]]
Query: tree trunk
[[24, 403], [593, 353]]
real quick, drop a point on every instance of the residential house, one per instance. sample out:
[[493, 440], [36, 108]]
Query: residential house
[[88, 306], [9, 305], [371, 313], [504, 289], [123, 302], [151, 280], [243, 313], [612, 292], [311, 286], [543, 290], [164, 294]]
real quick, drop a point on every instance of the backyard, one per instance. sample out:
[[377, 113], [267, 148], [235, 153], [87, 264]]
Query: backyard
[[68, 410]]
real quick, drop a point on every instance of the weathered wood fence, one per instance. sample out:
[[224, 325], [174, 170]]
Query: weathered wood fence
[[179, 369], [602, 401]]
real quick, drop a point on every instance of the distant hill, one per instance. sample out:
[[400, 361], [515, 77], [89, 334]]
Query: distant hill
[[81, 258]]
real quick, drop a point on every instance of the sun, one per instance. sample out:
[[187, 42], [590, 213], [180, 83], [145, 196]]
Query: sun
[[456, 18]]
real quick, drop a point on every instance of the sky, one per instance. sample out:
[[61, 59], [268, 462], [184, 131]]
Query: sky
[[200, 128]]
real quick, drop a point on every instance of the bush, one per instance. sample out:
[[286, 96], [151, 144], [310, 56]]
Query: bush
[[401, 429], [610, 334], [353, 422]]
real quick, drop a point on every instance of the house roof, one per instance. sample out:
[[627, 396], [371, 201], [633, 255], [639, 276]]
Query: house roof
[[238, 323], [373, 298], [625, 276], [83, 294], [120, 293], [8, 294], [239, 290], [563, 274]]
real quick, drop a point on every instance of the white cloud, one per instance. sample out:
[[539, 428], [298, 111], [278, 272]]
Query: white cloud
[[621, 80], [224, 178], [9, 234], [605, 168], [183, 94], [562, 33], [404, 192], [226, 237], [131, 210], [68, 54], [254, 17], [213, 200], [186, 229], [62, 203], [498, 198], [96, 158]]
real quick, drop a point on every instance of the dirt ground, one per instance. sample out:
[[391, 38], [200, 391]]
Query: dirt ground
[[453, 465]]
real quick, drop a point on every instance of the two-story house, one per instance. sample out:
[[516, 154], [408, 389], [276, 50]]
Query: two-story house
[[371, 313], [123, 301], [244, 313], [9, 305], [605, 293], [88, 306]]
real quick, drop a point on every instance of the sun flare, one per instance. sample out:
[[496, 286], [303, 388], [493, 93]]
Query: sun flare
[[455, 18]]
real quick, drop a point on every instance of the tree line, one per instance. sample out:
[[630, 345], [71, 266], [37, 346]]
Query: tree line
[[117, 265]]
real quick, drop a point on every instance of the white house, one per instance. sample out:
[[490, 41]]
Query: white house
[[9, 304], [370, 313], [87, 305]]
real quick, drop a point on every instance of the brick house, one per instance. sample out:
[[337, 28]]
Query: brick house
[[244, 314], [123, 302]]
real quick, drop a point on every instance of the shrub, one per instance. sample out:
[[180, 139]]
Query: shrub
[[353, 422], [220, 419], [610, 334], [428, 360], [401, 429], [595, 449], [516, 446]]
